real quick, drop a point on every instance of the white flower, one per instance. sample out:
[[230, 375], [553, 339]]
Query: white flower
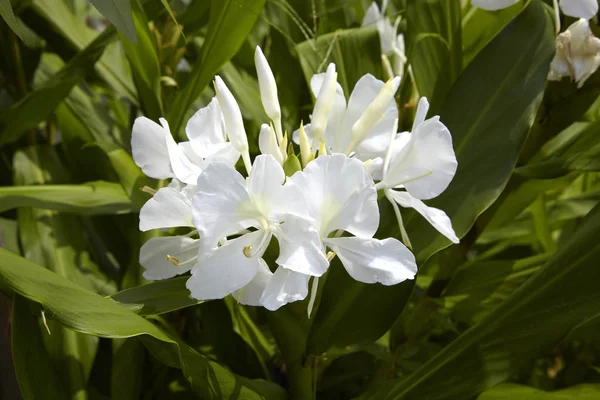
[[368, 117], [579, 8], [419, 166], [159, 156], [577, 54], [226, 205], [492, 5]]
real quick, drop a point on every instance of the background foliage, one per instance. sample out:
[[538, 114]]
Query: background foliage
[[512, 311]]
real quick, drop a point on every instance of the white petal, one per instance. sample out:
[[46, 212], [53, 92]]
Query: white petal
[[300, 247], [421, 114], [339, 194], [168, 208], [324, 102], [223, 152], [206, 126], [334, 136], [579, 8], [267, 143], [153, 256], [436, 217], [232, 115], [492, 5], [221, 205], [251, 294], [372, 15], [183, 168], [426, 163], [284, 287], [372, 260], [226, 271], [149, 148]]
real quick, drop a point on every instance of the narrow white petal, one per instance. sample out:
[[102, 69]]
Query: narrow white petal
[[579, 8], [323, 105], [149, 148], [168, 208], [336, 139], [226, 271], [284, 287], [232, 115], [339, 194], [206, 126], [492, 5], [372, 260], [421, 114], [221, 205], [184, 169], [267, 143], [300, 247], [436, 217], [154, 253], [251, 294]]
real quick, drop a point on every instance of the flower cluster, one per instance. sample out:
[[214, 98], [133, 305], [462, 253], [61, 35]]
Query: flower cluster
[[328, 208]]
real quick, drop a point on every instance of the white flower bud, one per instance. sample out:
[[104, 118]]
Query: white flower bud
[[268, 91], [305, 152], [267, 143]]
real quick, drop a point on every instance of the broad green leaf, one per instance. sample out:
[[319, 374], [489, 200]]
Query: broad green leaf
[[86, 198], [230, 23], [143, 58], [8, 235], [112, 66], [39, 104], [355, 52], [118, 12], [8, 15], [574, 149], [487, 130], [536, 317], [157, 297], [510, 391], [34, 367], [434, 43], [86, 312]]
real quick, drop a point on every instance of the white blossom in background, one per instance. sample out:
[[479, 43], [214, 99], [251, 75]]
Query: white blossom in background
[[392, 43], [328, 209], [577, 54], [419, 165], [573, 8]]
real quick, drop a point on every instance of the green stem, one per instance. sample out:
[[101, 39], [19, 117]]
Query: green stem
[[300, 378]]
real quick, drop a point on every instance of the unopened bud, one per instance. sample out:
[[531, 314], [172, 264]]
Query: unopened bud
[[268, 91], [267, 143], [323, 105], [305, 154], [234, 124]]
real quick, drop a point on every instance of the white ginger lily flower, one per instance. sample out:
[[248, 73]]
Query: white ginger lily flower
[[363, 124], [577, 54], [224, 205], [340, 196], [159, 156], [422, 163], [573, 8]]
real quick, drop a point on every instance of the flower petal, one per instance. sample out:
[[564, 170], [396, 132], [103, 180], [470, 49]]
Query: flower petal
[[334, 136], [300, 247], [372, 260], [221, 205], [428, 156], [149, 148], [225, 271], [153, 256], [267, 143], [183, 168], [284, 287], [168, 208], [251, 294], [206, 126], [339, 194], [232, 116], [492, 5], [436, 217], [579, 8]]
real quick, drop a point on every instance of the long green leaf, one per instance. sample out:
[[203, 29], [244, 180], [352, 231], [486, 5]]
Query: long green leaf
[[230, 23], [87, 198], [537, 316], [87, 312], [509, 391], [118, 12], [8, 15]]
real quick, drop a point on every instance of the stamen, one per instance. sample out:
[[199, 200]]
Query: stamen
[[149, 190], [176, 262], [313, 295], [412, 179], [403, 233], [388, 153], [260, 249]]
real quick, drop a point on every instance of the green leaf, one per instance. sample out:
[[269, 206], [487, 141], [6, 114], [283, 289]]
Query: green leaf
[[509, 391], [39, 104], [536, 317], [127, 369], [33, 366], [230, 23], [157, 297], [86, 312], [86, 198], [118, 12], [8, 15], [487, 130], [435, 49], [355, 52]]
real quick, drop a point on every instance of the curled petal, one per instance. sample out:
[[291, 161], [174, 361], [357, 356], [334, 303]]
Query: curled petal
[[372, 260], [284, 287], [168, 208], [251, 294], [149, 148], [206, 126], [159, 256]]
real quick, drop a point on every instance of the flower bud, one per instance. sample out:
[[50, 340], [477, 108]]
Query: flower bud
[[234, 124], [267, 143], [323, 106], [268, 91], [305, 153]]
